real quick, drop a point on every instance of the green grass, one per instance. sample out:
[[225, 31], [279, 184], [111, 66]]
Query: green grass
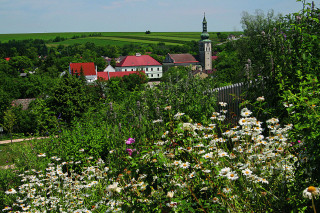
[[6, 154], [99, 41], [114, 38]]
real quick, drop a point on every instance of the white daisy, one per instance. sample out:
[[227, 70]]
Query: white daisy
[[245, 112], [42, 155], [232, 176], [246, 172], [11, 191], [208, 155], [227, 190], [185, 165], [192, 175], [223, 172], [177, 162]]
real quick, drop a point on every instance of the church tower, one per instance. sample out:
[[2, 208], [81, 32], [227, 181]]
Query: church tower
[[205, 54]]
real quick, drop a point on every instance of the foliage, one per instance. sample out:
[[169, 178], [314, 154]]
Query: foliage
[[69, 98], [228, 66], [284, 64], [175, 74], [189, 167], [9, 120]]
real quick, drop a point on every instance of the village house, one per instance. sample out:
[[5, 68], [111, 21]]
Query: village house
[[89, 70], [138, 62]]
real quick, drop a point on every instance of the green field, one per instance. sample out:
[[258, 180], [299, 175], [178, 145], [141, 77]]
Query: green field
[[113, 38]]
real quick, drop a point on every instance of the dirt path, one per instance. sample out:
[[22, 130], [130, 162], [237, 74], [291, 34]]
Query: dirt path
[[20, 140]]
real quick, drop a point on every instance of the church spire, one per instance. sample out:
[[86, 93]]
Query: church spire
[[204, 34]]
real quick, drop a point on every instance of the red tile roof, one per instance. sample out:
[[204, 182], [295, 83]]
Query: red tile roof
[[104, 75], [88, 68], [136, 61], [183, 58]]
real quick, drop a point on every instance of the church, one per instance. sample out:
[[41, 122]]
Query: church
[[202, 62]]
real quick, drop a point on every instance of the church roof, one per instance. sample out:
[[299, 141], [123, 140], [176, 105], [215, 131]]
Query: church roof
[[183, 58]]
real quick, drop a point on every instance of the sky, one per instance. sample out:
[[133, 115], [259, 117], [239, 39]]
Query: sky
[[44, 16]]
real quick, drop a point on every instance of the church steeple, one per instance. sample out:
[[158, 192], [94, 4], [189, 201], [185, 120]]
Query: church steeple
[[205, 49], [204, 24], [204, 34]]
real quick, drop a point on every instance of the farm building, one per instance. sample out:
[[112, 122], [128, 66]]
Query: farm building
[[151, 67]]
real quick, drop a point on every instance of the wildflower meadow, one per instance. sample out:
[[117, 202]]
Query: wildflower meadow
[[191, 167]]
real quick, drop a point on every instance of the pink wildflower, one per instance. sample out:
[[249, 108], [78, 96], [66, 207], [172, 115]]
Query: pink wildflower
[[130, 141]]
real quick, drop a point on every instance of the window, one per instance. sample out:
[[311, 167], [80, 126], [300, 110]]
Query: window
[[158, 68], [158, 74], [125, 70], [151, 69], [151, 75], [131, 69], [147, 69]]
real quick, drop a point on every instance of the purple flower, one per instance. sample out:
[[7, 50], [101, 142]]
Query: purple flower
[[130, 141], [130, 151]]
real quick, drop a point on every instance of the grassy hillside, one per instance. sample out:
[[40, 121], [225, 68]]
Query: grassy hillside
[[115, 38]]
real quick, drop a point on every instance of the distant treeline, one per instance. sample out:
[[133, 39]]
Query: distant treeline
[[59, 38]]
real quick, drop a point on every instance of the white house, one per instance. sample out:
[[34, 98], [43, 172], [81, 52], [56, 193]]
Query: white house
[[152, 68]]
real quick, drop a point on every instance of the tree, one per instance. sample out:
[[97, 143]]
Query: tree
[[229, 68], [259, 22], [69, 98], [21, 63], [113, 62], [100, 63], [9, 121], [175, 74]]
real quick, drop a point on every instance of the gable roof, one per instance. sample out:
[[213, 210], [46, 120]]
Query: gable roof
[[136, 61], [88, 68], [105, 75], [183, 58]]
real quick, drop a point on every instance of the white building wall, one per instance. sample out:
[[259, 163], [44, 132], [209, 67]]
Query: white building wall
[[91, 78], [151, 71]]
